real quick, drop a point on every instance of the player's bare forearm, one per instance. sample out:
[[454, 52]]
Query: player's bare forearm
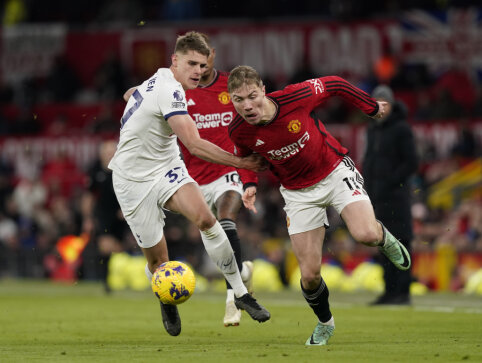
[[249, 198], [185, 128], [210, 152]]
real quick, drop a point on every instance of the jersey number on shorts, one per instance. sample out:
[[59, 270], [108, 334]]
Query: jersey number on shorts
[[352, 184], [232, 178], [137, 96], [173, 175]]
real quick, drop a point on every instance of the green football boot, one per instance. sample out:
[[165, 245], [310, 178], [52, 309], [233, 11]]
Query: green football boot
[[321, 334], [396, 252]]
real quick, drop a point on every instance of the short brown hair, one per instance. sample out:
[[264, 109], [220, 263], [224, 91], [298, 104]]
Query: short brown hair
[[192, 41], [206, 39], [241, 75]]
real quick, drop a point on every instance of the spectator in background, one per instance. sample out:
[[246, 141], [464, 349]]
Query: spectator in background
[[444, 106], [102, 217], [424, 109], [110, 78], [6, 182], [457, 83], [466, 147], [62, 84], [59, 126], [105, 122], [62, 176], [26, 123], [390, 159], [477, 112], [27, 165]]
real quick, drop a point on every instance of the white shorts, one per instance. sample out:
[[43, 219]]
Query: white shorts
[[142, 202], [213, 190], [306, 208]]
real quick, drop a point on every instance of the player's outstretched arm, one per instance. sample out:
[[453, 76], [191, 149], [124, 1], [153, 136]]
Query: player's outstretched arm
[[185, 128], [249, 197], [337, 86]]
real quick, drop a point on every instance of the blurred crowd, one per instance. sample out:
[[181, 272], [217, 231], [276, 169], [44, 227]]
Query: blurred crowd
[[128, 12], [42, 201]]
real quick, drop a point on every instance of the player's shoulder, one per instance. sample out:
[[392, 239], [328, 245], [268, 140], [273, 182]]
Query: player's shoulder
[[235, 125], [221, 80], [292, 92], [223, 75], [167, 77]]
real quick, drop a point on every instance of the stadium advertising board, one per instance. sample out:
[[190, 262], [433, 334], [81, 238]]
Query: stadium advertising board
[[276, 49]]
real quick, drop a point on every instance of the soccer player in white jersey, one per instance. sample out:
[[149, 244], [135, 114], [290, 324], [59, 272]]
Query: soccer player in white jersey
[[149, 174], [211, 108]]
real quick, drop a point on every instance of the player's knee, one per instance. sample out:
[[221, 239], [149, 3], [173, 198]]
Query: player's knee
[[205, 221], [228, 205], [367, 235]]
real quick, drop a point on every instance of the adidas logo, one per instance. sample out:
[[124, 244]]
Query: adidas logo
[[259, 142], [190, 102], [356, 192]]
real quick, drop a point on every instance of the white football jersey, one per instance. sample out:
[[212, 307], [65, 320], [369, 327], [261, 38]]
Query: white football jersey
[[147, 143]]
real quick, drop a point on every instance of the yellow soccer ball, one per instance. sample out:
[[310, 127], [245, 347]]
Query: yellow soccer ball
[[173, 282]]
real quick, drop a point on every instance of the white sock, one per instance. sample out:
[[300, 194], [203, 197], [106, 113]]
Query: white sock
[[218, 248], [148, 273], [229, 295], [329, 322]]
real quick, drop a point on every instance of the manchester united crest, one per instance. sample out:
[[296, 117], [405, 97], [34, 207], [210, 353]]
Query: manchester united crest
[[294, 126], [224, 98]]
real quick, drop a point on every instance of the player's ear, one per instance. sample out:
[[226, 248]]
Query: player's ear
[[174, 59]]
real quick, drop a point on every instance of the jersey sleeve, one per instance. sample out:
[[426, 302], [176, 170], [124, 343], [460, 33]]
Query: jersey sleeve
[[248, 177], [172, 100], [329, 86]]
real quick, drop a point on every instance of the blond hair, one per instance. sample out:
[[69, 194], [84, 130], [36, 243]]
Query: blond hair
[[192, 41], [242, 75]]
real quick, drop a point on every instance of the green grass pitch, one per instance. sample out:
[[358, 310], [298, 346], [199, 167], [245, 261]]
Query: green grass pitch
[[46, 322]]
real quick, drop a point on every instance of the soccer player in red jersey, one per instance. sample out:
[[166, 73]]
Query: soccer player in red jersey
[[211, 108], [314, 171]]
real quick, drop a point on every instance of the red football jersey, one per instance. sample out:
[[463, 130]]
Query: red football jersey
[[300, 150], [211, 109]]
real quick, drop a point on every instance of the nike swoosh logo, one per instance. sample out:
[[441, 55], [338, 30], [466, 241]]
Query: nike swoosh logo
[[229, 262], [406, 260]]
